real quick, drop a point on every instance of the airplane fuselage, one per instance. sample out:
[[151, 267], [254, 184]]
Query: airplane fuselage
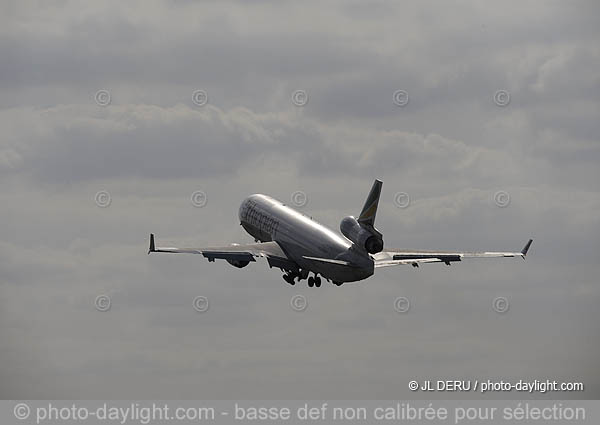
[[299, 236]]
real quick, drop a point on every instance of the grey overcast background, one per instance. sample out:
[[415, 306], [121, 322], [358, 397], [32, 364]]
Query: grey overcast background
[[451, 149]]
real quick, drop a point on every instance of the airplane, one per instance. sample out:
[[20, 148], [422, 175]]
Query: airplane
[[299, 245]]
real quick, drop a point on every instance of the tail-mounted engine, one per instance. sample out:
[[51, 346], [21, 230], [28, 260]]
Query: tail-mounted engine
[[362, 235], [362, 231]]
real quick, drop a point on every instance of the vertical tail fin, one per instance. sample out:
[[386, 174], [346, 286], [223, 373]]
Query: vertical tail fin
[[367, 215]]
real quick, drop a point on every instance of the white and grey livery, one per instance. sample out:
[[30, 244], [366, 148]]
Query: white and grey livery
[[298, 245]]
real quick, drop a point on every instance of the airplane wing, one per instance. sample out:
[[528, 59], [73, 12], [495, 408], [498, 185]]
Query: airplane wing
[[235, 252], [389, 258]]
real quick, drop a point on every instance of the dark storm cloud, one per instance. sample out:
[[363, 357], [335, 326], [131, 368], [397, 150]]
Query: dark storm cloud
[[88, 142], [82, 143]]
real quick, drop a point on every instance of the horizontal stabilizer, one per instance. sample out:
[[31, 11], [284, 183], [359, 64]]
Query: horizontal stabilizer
[[328, 260]]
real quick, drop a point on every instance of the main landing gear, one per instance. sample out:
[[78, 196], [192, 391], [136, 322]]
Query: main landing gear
[[314, 281], [290, 277]]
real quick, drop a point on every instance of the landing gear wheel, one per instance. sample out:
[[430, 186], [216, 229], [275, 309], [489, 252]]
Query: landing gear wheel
[[303, 274], [311, 282], [289, 279], [318, 282]]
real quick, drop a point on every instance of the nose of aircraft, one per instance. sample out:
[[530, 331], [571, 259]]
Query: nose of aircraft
[[243, 208], [247, 204]]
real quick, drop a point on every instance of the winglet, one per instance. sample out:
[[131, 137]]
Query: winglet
[[152, 247], [526, 248]]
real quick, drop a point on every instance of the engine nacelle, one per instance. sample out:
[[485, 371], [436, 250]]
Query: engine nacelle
[[238, 263], [367, 238]]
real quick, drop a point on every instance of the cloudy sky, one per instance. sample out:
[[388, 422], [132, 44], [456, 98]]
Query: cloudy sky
[[452, 148]]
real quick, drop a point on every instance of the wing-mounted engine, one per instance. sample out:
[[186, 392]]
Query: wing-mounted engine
[[238, 263], [362, 235], [239, 260]]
